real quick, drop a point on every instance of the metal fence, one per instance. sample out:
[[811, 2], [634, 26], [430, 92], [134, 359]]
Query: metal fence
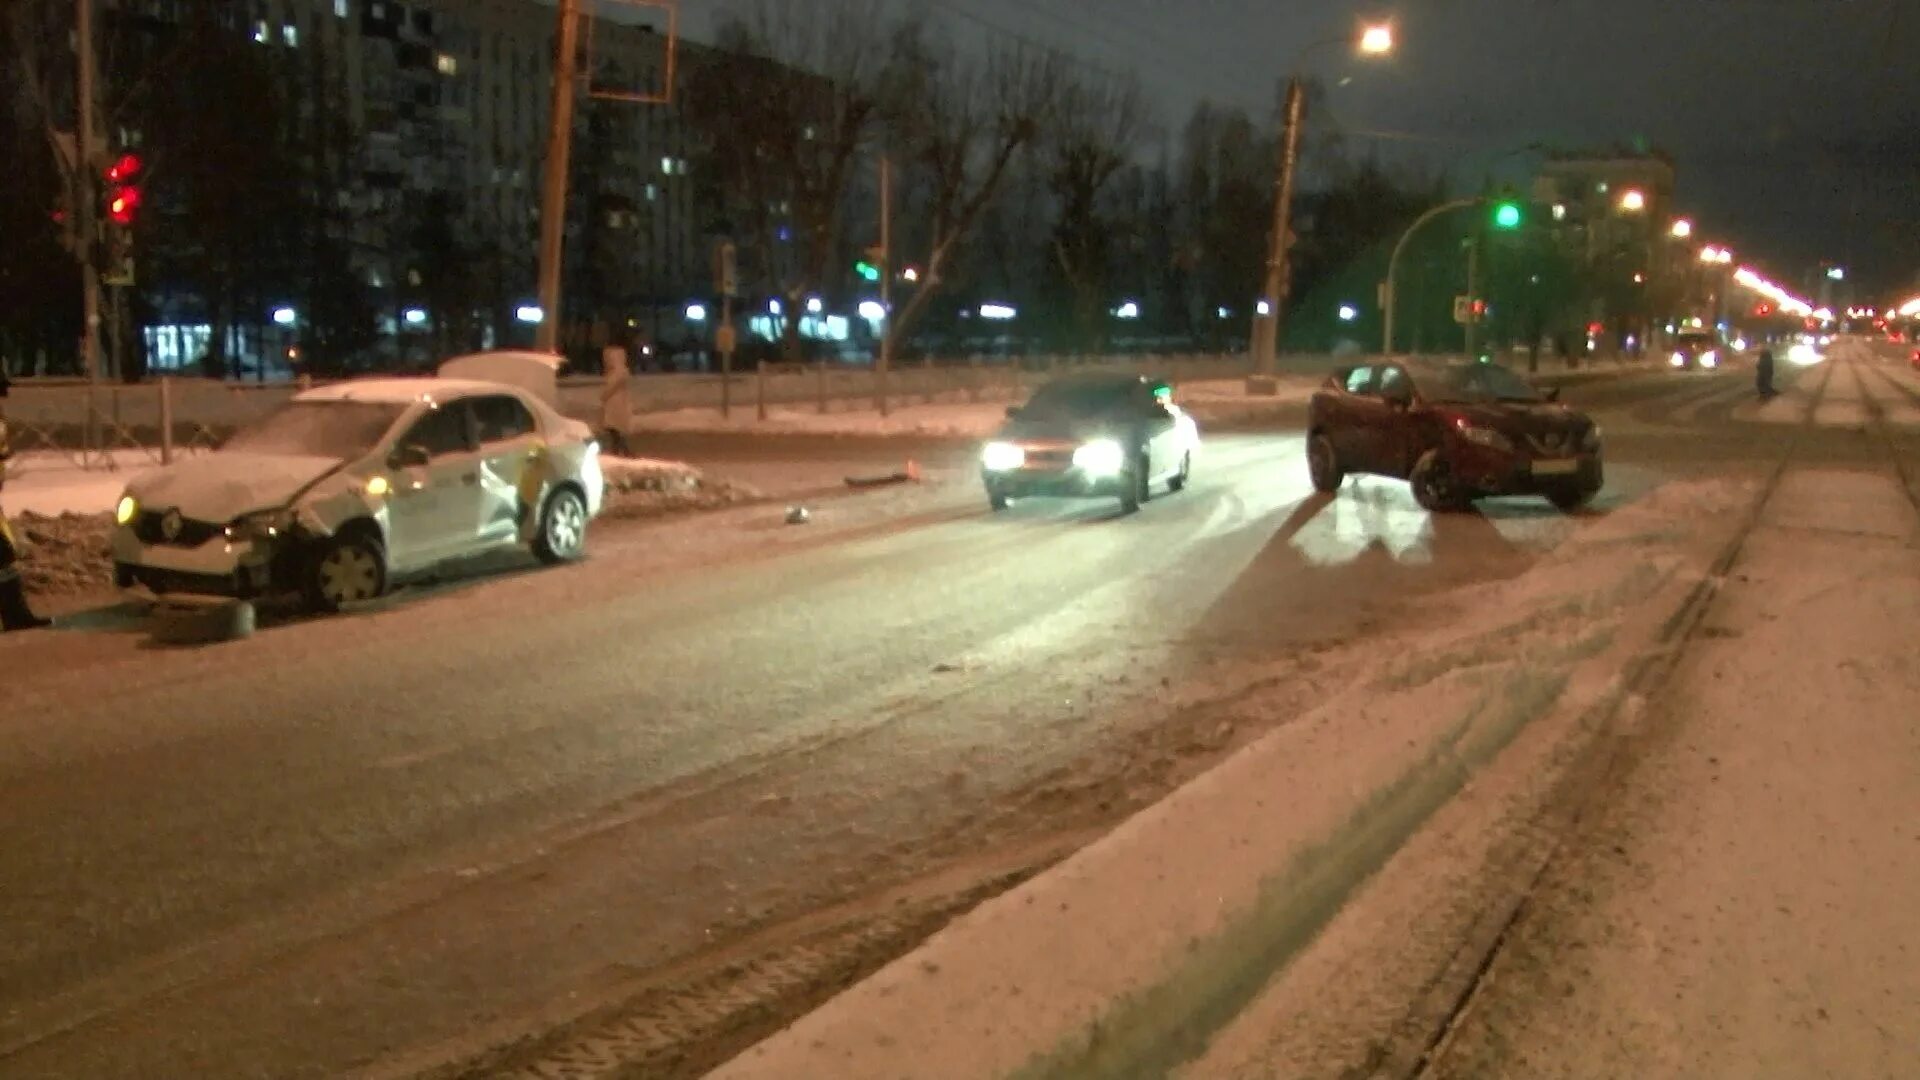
[[165, 416]]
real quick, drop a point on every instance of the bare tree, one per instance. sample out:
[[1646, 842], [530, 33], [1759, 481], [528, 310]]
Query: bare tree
[[1097, 124], [959, 121], [786, 104]]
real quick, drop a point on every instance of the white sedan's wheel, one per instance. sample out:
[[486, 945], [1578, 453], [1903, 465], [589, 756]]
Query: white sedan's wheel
[[563, 528], [349, 570]]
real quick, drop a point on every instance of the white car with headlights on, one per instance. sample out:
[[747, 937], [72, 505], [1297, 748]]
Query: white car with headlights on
[[345, 491], [1695, 349], [1091, 436]]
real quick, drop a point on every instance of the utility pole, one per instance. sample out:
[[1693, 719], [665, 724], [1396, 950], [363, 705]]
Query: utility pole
[[886, 285], [553, 188], [85, 209], [1266, 328]]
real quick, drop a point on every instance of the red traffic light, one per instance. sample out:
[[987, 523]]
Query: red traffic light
[[121, 206], [125, 168]]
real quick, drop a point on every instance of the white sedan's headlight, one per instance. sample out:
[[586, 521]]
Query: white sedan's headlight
[[1101, 457], [127, 510], [1002, 456], [1709, 359], [1679, 359]]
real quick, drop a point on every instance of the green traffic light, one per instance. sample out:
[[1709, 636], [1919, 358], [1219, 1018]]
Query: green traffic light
[[1506, 215], [867, 270]]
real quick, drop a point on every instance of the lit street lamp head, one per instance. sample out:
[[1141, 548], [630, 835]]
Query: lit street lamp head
[[1376, 39], [1633, 200], [1682, 229]]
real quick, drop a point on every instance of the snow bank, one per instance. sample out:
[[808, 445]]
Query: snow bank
[[970, 421], [1201, 895], [1209, 400], [50, 484], [645, 487], [65, 553]]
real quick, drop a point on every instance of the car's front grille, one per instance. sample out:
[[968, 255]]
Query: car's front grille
[[151, 527], [1049, 457]]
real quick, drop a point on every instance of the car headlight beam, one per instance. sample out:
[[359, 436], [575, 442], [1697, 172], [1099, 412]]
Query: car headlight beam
[[1101, 457], [1679, 359], [1002, 456]]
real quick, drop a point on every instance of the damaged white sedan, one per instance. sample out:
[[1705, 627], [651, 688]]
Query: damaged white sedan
[[347, 490]]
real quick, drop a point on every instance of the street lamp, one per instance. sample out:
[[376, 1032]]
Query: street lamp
[[1374, 40], [1682, 229], [1633, 200]]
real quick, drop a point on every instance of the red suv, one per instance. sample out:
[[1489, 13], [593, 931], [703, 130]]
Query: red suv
[[1456, 431]]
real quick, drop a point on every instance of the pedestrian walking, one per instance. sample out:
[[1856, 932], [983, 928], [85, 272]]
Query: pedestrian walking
[[1763, 374], [14, 612], [616, 397]]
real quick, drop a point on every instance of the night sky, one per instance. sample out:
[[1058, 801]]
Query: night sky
[[1795, 124]]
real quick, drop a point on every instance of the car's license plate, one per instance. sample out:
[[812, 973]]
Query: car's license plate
[[1556, 467]]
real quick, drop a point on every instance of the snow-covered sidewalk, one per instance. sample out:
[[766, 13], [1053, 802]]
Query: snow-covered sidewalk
[[1217, 401], [1744, 904], [51, 484]]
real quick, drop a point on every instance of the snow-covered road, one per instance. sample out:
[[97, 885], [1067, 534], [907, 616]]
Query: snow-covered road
[[645, 809]]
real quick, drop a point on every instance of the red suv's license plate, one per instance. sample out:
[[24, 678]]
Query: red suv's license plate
[[1556, 467]]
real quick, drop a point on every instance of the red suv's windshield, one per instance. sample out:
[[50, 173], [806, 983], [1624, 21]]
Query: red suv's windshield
[[1478, 383]]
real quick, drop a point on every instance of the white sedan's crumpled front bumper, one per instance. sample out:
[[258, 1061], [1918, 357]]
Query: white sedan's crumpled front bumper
[[217, 567]]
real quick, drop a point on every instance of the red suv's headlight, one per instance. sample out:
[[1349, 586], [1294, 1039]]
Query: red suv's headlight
[[1483, 436]]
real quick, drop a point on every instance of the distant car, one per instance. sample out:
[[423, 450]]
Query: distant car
[[1455, 431], [1091, 436], [347, 490], [1695, 351]]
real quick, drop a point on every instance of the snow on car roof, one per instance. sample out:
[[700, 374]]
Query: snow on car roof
[[394, 391]]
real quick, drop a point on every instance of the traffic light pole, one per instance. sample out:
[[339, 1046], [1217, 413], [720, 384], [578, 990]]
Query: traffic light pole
[[85, 211], [553, 186], [1393, 264], [1266, 328]]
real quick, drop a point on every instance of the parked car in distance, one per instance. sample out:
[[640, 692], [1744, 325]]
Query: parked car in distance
[[1091, 436], [349, 489], [1695, 349], [1455, 431]]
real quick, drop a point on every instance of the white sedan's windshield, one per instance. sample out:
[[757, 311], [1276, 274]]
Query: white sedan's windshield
[[330, 429]]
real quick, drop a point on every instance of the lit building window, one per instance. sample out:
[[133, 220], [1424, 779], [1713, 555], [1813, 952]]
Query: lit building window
[[339, 9], [291, 35], [446, 64], [260, 31]]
